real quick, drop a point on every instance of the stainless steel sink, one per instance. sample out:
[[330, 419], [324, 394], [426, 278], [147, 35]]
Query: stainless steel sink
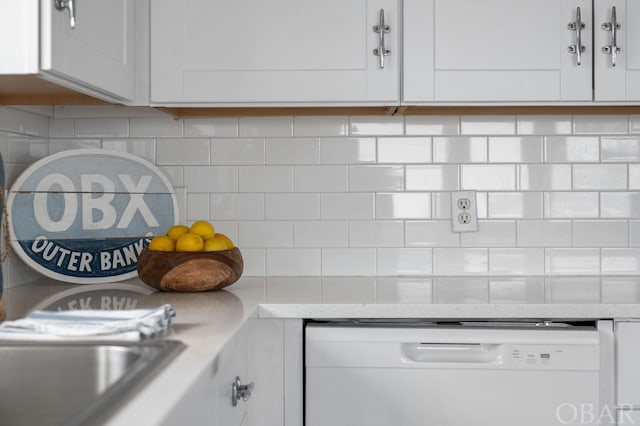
[[74, 383]]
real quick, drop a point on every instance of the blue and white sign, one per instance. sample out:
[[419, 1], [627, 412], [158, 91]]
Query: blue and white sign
[[84, 216]]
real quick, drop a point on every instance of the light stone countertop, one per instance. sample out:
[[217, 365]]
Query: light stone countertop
[[206, 321]]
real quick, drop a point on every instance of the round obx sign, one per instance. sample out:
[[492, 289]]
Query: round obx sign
[[84, 216]]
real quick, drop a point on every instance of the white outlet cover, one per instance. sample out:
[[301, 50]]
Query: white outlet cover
[[456, 225]]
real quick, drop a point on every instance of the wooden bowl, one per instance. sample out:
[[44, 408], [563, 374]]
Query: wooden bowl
[[190, 271]]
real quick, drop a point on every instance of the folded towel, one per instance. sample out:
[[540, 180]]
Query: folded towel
[[129, 325]]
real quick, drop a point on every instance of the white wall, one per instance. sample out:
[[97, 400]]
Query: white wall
[[557, 195]]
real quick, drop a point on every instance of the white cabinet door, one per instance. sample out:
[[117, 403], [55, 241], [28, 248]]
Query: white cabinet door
[[273, 52], [628, 367], [97, 54], [495, 50], [619, 82]]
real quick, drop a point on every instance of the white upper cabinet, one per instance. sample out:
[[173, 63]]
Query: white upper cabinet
[[617, 70], [276, 52], [496, 50], [95, 57]]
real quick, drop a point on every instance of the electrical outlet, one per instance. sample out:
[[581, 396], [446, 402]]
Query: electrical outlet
[[464, 214]]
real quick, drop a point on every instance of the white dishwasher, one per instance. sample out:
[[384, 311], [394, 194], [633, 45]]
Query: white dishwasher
[[467, 373]]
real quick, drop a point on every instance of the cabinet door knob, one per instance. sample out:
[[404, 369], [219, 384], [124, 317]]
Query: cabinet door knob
[[70, 5], [578, 49], [381, 51], [240, 391], [613, 26]]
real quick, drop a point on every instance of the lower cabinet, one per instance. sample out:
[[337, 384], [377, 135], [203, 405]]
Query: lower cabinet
[[266, 356], [628, 372]]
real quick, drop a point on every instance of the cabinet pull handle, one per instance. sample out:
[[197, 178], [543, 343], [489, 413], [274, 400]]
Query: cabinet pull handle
[[613, 26], [381, 51], [577, 49], [70, 5], [240, 391]]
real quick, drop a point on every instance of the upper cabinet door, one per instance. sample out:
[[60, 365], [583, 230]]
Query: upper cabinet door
[[496, 50], [273, 52], [97, 54], [617, 69]]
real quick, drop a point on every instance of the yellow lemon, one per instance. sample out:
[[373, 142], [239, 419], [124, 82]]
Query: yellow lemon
[[202, 228], [226, 239], [189, 242], [215, 244], [162, 243], [177, 231]]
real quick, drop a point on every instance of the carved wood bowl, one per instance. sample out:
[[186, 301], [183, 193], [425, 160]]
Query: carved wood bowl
[[190, 271]]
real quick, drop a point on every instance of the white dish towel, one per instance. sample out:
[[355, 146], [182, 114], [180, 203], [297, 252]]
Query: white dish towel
[[90, 324]]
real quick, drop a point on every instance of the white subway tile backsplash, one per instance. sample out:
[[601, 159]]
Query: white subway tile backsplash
[[590, 124], [320, 126], [197, 207], [430, 233], [349, 261], [358, 290], [233, 206], [515, 149], [621, 261], [516, 261], [544, 124], [488, 177], [211, 178], [293, 262], [620, 290], [571, 205], [403, 290], [404, 150], [143, 148], [488, 125], [600, 233], [634, 176], [211, 127], [101, 127], [18, 121], [544, 177], [376, 126], [441, 205], [403, 206], [634, 233], [491, 234], [354, 206], [320, 178], [268, 234], [433, 177], [265, 126], [293, 289], [432, 125], [515, 205], [516, 290], [61, 127], [620, 205], [620, 149], [25, 149], [460, 261], [158, 127], [544, 233], [376, 233], [460, 290], [182, 152], [266, 178], [572, 149], [292, 206], [572, 261], [321, 233], [376, 178], [58, 145], [572, 290], [175, 174], [458, 149], [404, 262], [293, 151], [237, 151], [600, 176], [348, 150], [255, 262]]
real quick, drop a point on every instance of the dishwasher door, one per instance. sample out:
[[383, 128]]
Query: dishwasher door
[[450, 376]]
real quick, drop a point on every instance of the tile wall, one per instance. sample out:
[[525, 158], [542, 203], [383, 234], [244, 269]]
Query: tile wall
[[370, 196]]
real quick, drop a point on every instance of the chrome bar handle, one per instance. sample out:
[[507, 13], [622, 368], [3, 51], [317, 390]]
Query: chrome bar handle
[[381, 51], [70, 5], [240, 391], [613, 26], [577, 49]]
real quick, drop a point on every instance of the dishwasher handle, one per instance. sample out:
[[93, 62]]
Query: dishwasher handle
[[478, 353]]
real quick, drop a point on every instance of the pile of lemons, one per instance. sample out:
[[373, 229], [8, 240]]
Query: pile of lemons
[[201, 236]]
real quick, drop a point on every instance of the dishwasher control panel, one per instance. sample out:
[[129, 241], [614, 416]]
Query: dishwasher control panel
[[555, 357]]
